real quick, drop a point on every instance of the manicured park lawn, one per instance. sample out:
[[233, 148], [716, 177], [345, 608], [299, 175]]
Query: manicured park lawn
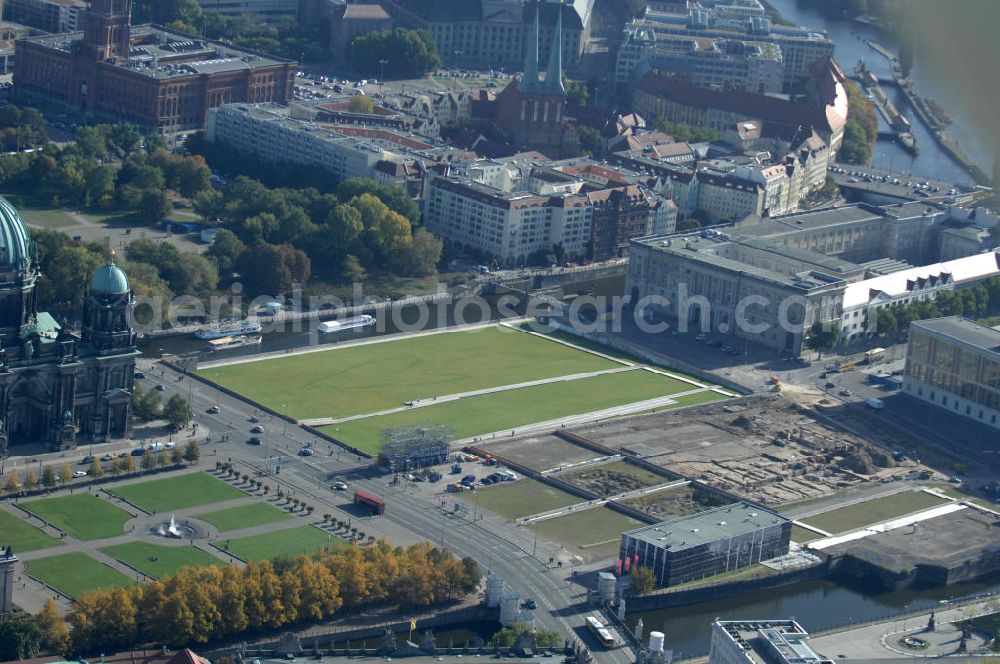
[[84, 516], [75, 573], [50, 219], [244, 516], [178, 492], [474, 416], [376, 376], [873, 511], [802, 535], [159, 561], [288, 542], [593, 534], [21, 535], [522, 498]]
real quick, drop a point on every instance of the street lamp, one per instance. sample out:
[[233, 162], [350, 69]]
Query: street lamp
[[381, 76], [284, 411]]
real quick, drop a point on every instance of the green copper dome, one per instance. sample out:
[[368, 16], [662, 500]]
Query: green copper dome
[[109, 280], [15, 243]]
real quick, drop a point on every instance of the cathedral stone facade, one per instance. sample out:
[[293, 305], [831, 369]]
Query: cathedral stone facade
[[57, 385]]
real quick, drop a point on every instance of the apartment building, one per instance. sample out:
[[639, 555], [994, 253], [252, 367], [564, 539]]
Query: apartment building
[[509, 209], [347, 150]]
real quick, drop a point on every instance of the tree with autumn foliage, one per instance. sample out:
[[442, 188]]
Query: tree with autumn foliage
[[201, 604]]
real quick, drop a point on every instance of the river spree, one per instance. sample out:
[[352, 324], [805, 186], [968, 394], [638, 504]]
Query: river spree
[[817, 605], [850, 39]]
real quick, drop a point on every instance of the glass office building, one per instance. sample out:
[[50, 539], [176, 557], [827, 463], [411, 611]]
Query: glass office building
[[708, 543]]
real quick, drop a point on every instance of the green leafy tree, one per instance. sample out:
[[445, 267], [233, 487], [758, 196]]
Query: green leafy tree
[[823, 337], [155, 206], [191, 452], [406, 53], [96, 469], [225, 249], [48, 477], [177, 412], [361, 104], [577, 92], [20, 637], [591, 141], [643, 580]]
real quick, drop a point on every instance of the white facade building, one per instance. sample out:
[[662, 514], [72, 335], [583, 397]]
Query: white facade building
[[761, 642]]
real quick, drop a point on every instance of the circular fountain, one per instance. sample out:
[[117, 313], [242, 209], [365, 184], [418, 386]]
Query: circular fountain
[[173, 530]]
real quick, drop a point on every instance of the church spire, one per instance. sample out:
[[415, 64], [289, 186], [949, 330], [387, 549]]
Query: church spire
[[553, 75], [529, 79]]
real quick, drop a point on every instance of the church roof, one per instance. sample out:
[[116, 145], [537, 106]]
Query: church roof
[[15, 243], [109, 280]]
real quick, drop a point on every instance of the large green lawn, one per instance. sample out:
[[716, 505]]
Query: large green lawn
[[50, 219], [157, 560], [84, 516], [523, 498], [21, 535], [178, 492], [288, 542], [593, 534], [244, 516], [873, 511], [73, 574], [376, 376], [474, 416]]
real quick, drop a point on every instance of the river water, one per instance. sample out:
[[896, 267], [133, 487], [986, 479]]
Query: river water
[[817, 605], [850, 38]]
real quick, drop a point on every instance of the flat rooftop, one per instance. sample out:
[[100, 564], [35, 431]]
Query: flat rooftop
[[964, 330], [945, 541], [709, 526], [160, 53], [771, 641]]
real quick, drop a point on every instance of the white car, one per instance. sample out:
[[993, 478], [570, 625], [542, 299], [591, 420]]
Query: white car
[[171, 444], [80, 473], [340, 486]]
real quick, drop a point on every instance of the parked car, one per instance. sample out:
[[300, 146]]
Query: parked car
[[79, 473], [139, 374], [107, 457], [86, 461], [468, 479], [139, 451]]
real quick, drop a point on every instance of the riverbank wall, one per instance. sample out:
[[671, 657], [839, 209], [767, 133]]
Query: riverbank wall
[[669, 598]]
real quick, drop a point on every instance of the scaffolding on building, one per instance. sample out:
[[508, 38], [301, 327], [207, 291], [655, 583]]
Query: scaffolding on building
[[407, 448]]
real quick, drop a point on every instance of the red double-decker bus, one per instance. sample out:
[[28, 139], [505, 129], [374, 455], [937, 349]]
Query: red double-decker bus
[[372, 503]]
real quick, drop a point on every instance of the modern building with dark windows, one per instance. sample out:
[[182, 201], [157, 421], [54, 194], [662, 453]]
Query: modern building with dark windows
[[954, 363], [708, 543]]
